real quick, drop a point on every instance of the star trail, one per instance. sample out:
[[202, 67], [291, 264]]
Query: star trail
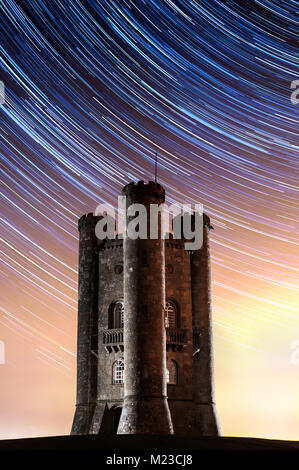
[[93, 89]]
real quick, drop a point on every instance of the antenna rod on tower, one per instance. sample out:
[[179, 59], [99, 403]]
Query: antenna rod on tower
[[156, 167]]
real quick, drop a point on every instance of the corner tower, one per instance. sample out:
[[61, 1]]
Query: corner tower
[[145, 409], [87, 341], [205, 417]]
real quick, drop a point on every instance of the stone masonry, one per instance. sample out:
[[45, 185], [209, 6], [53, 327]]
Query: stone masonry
[[144, 354]]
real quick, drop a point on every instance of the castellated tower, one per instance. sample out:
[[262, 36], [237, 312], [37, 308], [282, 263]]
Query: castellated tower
[[87, 344], [144, 360], [145, 408]]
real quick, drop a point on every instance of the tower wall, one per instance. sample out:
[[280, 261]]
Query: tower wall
[[87, 325], [205, 418], [178, 289], [145, 407], [109, 395]]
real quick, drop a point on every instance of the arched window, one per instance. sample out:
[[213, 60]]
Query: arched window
[[116, 315], [171, 314], [172, 372], [118, 372]]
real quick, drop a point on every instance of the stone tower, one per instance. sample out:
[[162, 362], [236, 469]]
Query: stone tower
[[145, 386], [145, 362]]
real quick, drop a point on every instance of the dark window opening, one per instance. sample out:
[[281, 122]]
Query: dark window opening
[[116, 315], [116, 418]]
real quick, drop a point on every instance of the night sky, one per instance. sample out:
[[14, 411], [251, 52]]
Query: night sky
[[93, 90]]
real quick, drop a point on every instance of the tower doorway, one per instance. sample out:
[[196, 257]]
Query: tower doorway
[[116, 418]]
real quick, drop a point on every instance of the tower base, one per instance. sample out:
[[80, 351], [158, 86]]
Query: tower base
[[82, 419], [145, 416], [205, 420], [191, 418]]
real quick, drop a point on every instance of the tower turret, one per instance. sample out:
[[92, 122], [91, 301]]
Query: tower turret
[[145, 407], [205, 418], [87, 325]]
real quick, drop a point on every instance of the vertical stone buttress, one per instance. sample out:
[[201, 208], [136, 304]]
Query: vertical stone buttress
[[87, 325], [205, 418], [145, 408]]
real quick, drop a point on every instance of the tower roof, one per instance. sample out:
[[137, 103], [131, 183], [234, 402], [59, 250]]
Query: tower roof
[[144, 188]]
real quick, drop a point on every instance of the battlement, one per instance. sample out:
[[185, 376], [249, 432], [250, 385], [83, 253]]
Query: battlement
[[109, 244], [142, 188], [206, 220], [88, 220], [171, 242]]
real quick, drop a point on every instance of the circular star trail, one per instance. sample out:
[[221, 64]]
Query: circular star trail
[[92, 90]]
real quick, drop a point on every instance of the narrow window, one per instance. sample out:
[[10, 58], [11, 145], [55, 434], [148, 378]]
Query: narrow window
[[116, 315], [118, 372], [172, 372], [171, 315], [119, 315]]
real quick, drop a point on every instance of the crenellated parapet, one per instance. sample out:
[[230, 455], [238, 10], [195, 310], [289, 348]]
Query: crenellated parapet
[[177, 243], [141, 190], [88, 221], [112, 244]]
